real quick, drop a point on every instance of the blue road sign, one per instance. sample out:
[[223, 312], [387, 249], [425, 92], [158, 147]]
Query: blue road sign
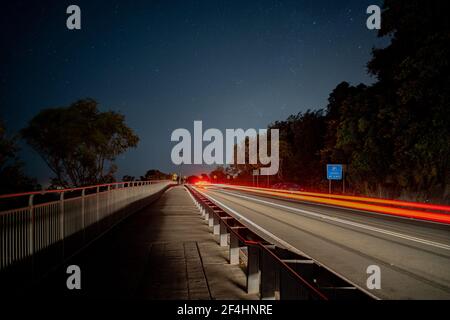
[[334, 171]]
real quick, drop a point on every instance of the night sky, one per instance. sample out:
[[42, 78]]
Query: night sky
[[164, 64]]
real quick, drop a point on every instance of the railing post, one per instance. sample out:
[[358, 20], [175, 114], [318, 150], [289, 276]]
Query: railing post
[[234, 249], [216, 226], [61, 220], [31, 225], [211, 219], [223, 234], [83, 193], [268, 276], [253, 270], [31, 233], [97, 205], [108, 201]]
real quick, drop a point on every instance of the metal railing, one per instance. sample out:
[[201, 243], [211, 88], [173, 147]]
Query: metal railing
[[76, 215], [274, 272]]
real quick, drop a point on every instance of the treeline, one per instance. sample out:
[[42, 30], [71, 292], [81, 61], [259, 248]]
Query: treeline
[[393, 136], [150, 175]]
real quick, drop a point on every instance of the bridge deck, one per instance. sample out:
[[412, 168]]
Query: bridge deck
[[162, 252]]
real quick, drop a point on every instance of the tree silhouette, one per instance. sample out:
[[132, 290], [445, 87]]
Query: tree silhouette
[[79, 143], [12, 177]]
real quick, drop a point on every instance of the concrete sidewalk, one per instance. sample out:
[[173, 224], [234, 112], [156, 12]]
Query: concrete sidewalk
[[165, 251]]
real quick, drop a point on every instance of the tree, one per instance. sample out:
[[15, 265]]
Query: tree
[[333, 118], [414, 77], [79, 143], [127, 178], [301, 140], [154, 174], [218, 175], [12, 177], [364, 141]]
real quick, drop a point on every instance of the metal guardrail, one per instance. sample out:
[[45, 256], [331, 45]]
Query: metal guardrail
[[274, 272], [76, 215]]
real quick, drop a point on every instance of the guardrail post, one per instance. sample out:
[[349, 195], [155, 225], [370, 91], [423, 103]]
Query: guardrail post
[[31, 225], [206, 214], [83, 213], [253, 271], [234, 249], [61, 221], [82, 207], [210, 219], [31, 233], [108, 201], [223, 235], [97, 205], [216, 222], [268, 276]]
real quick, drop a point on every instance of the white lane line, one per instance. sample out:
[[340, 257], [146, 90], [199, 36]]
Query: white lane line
[[347, 222], [285, 244]]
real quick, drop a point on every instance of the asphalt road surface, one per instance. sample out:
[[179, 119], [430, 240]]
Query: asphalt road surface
[[413, 256]]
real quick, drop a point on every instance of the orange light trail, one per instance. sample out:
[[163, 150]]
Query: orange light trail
[[417, 205], [349, 203]]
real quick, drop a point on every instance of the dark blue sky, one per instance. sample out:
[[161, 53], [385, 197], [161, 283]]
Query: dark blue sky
[[166, 63]]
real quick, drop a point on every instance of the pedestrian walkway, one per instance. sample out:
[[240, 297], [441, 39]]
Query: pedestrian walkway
[[165, 251]]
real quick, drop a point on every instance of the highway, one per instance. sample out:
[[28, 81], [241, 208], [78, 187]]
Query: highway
[[414, 256]]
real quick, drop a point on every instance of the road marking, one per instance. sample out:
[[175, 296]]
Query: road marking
[[347, 222]]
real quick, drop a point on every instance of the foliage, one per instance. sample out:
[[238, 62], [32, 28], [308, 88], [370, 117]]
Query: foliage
[[218, 175], [393, 136], [301, 139], [127, 178], [79, 143], [154, 174], [12, 177]]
